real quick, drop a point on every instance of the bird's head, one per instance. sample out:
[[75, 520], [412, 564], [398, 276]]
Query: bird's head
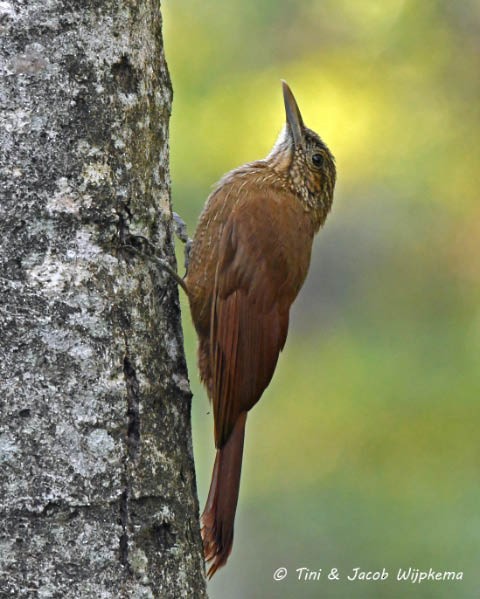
[[303, 159]]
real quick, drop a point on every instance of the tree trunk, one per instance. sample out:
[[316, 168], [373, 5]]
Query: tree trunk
[[97, 487]]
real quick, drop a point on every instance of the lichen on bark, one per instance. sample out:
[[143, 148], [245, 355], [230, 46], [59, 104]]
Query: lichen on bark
[[97, 487]]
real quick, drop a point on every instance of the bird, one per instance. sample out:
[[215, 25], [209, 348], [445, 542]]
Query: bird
[[249, 257]]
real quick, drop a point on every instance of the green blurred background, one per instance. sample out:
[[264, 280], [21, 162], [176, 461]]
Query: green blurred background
[[364, 450]]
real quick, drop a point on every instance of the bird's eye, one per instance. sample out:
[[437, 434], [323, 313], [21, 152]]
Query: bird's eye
[[317, 160]]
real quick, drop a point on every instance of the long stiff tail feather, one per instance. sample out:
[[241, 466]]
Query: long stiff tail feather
[[219, 514]]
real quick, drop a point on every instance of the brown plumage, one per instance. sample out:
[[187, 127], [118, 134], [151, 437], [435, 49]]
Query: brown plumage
[[249, 259]]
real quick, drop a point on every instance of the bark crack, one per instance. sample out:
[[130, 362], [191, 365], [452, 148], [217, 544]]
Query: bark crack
[[131, 450]]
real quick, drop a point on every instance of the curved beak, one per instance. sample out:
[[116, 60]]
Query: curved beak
[[294, 118]]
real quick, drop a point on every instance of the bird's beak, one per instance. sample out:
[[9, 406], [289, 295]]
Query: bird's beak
[[294, 118]]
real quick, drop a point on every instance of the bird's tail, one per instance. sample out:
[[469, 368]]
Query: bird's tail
[[219, 513]]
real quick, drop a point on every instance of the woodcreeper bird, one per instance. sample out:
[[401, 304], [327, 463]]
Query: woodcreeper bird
[[248, 260]]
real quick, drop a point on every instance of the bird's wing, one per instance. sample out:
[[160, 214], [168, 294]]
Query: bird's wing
[[255, 284]]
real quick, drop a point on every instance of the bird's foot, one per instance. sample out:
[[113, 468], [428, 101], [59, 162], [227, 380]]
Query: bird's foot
[[137, 245], [180, 229]]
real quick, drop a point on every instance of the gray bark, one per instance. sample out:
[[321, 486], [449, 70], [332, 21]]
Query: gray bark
[[97, 487]]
